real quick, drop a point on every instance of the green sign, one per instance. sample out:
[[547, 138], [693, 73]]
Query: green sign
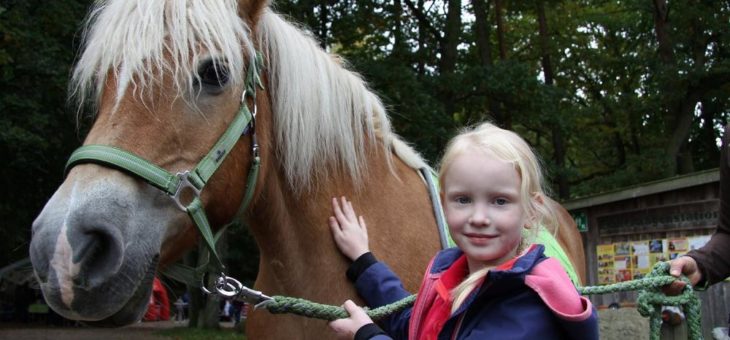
[[581, 220]]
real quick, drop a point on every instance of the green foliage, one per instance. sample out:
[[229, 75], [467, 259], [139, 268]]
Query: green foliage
[[241, 256], [36, 131]]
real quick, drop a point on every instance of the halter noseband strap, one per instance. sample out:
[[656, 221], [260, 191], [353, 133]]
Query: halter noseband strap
[[196, 179]]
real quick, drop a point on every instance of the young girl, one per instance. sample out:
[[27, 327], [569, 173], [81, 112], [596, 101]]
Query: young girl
[[496, 284]]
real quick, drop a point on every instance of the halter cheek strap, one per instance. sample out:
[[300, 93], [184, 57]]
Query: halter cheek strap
[[193, 180]]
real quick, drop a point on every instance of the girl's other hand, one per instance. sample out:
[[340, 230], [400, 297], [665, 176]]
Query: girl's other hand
[[346, 328], [349, 230]]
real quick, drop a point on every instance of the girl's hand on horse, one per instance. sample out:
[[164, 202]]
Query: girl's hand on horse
[[346, 328], [349, 230]]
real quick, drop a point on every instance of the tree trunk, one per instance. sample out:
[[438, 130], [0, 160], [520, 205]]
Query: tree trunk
[[676, 126], [500, 29], [482, 31], [399, 47], [447, 65], [661, 28], [422, 34], [205, 309], [556, 129], [678, 144], [481, 27], [197, 300], [547, 67]]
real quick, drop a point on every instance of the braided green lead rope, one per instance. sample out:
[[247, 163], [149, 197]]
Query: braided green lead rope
[[649, 303], [285, 304], [651, 299]]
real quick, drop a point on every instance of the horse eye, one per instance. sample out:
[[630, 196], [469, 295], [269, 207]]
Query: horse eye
[[213, 76]]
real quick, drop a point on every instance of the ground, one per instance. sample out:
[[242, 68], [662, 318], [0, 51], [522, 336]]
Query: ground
[[138, 331], [623, 324], [618, 324]]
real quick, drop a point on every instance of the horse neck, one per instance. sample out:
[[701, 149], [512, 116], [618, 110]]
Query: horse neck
[[292, 232], [295, 240]]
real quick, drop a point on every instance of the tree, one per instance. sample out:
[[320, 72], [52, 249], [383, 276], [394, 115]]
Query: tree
[[37, 131]]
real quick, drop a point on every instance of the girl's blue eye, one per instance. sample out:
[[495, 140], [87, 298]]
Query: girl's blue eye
[[463, 200], [500, 201]]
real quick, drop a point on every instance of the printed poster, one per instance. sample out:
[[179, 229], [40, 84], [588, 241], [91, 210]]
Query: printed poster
[[697, 241], [640, 273], [623, 275], [657, 257], [656, 246], [623, 261], [657, 251], [606, 273], [623, 248], [622, 266], [677, 247]]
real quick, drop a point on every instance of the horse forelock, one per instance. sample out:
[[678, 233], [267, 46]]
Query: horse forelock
[[140, 40], [325, 115]]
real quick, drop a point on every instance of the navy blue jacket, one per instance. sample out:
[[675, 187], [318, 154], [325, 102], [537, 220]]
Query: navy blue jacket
[[504, 307]]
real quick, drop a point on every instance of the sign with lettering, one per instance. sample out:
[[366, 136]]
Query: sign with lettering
[[686, 216]]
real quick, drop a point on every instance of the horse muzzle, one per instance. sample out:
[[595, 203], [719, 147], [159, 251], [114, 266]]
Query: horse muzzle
[[94, 256]]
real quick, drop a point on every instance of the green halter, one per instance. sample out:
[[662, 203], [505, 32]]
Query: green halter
[[195, 179]]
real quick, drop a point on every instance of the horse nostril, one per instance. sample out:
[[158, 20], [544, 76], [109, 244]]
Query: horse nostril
[[40, 254], [99, 255]]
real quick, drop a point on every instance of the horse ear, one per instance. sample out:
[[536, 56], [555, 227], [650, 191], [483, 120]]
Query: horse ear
[[250, 10]]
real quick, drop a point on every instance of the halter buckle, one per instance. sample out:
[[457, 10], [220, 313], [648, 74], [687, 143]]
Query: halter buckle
[[184, 178]]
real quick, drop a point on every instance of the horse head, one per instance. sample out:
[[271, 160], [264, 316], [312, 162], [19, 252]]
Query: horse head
[[168, 79]]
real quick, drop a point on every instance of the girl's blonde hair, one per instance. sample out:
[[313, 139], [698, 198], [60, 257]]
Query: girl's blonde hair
[[509, 147]]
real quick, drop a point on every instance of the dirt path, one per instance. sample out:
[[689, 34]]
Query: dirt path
[[623, 324], [138, 331]]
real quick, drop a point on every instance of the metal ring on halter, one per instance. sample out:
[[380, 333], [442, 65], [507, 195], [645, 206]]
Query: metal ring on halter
[[184, 183], [253, 100]]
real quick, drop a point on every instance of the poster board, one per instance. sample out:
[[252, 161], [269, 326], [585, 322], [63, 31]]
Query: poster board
[[624, 261]]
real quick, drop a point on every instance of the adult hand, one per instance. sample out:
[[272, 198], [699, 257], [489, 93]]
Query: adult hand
[[346, 328], [683, 265], [349, 230]]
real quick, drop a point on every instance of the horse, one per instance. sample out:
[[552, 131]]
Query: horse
[[167, 79]]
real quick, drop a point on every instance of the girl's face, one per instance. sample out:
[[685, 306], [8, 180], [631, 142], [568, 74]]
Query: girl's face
[[483, 208]]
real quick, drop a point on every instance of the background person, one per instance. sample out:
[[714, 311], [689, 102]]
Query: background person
[[711, 263]]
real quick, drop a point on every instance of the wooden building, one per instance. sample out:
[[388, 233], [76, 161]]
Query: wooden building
[[626, 231]]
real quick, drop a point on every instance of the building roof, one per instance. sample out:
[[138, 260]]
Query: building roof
[[644, 189]]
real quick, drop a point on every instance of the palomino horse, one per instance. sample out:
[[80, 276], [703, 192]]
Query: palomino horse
[[167, 78]]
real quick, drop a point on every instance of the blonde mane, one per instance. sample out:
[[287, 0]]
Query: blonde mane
[[324, 114]]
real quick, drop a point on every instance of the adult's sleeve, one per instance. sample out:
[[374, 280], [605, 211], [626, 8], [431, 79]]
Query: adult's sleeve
[[713, 259]]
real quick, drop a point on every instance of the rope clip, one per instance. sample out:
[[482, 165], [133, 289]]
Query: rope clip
[[232, 289]]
